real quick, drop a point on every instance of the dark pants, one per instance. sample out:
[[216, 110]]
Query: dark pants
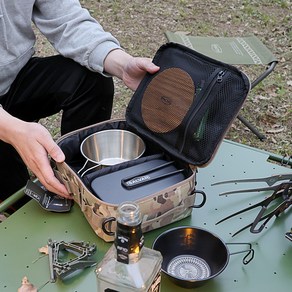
[[46, 86]]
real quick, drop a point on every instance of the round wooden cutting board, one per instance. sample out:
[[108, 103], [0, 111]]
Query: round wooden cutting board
[[167, 99]]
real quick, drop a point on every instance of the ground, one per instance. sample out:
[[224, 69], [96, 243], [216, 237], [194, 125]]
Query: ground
[[140, 25]]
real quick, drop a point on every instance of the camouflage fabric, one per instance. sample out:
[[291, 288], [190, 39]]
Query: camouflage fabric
[[159, 209]]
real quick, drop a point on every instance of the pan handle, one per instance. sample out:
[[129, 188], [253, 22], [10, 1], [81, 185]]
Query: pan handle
[[250, 252], [145, 177]]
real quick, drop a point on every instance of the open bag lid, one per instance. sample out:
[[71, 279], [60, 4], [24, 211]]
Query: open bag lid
[[189, 104]]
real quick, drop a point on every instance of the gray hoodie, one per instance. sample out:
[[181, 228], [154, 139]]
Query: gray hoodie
[[68, 27]]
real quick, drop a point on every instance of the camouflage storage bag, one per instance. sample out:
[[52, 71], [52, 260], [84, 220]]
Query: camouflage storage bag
[[182, 114]]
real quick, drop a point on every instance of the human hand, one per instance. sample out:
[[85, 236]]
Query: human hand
[[34, 143], [130, 69], [136, 69]]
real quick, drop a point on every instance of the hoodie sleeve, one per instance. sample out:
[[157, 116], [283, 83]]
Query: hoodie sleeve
[[73, 32]]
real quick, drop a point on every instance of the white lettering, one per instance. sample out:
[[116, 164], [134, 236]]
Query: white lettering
[[123, 249], [186, 41], [236, 49], [216, 48], [137, 180], [256, 59], [122, 239]]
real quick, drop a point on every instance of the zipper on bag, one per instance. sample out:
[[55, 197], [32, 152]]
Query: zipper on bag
[[218, 78]]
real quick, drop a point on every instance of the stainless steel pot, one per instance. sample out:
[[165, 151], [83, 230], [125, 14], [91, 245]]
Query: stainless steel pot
[[110, 147]]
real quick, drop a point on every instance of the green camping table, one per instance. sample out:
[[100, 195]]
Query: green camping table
[[22, 234]]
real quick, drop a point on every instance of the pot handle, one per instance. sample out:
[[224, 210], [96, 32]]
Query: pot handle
[[250, 252], [90, 168], [105, 222], [204, 198]]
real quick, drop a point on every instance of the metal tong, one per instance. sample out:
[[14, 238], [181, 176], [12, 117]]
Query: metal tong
[[284, 191], [270, 181]]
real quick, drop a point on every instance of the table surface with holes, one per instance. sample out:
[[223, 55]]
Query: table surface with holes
[[30, 228]]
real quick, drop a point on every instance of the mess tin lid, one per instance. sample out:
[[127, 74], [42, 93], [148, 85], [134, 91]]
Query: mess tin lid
[[189, 104]]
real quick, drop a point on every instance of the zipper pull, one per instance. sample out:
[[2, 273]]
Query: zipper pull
[[220, 76]]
